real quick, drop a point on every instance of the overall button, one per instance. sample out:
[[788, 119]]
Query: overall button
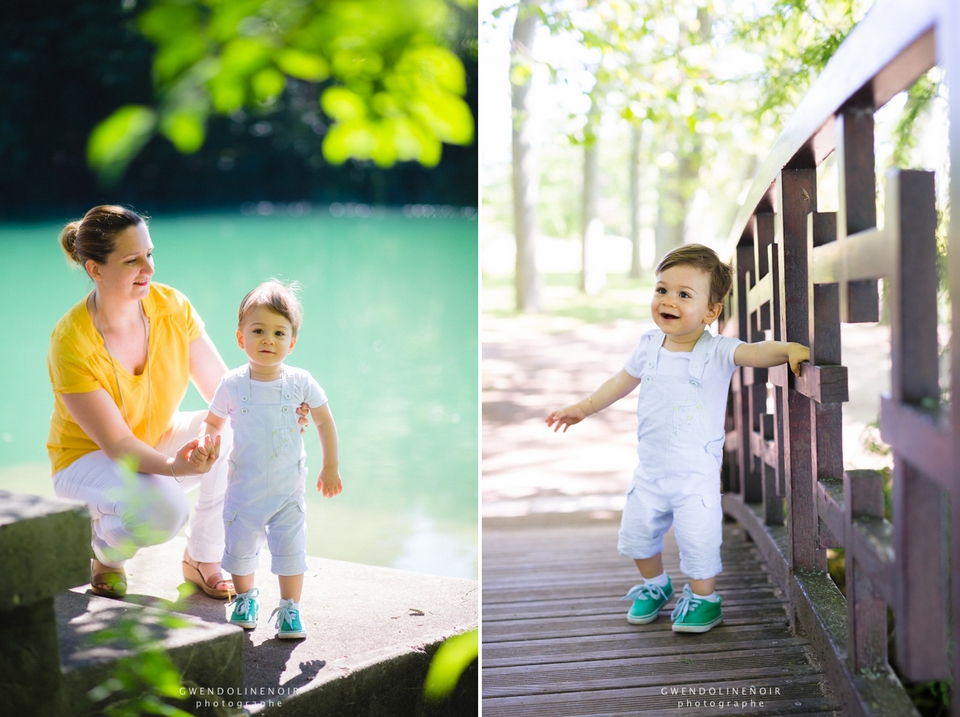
[[285, 409], [243, 410], [243, 398], [288, 395]]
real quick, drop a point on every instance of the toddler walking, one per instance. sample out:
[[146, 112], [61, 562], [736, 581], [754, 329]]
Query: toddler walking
[[264, 498], [685, 374]]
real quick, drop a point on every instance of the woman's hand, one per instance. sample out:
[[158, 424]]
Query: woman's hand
[[302, 412]]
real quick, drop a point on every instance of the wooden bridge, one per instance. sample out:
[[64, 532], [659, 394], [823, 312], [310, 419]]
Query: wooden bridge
[[555, 641]]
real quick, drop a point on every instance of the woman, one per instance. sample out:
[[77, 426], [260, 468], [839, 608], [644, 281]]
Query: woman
[[119, 363]]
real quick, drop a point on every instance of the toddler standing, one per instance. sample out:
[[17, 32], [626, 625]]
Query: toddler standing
[[264, 500], [685, 374]]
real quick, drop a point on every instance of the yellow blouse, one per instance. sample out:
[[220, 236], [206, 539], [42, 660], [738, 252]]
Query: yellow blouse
[[78, 362]]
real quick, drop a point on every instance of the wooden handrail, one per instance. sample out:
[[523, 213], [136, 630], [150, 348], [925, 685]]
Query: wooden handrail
[[799, 274]]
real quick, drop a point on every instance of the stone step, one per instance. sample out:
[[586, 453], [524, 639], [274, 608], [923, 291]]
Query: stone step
[[371, 634]]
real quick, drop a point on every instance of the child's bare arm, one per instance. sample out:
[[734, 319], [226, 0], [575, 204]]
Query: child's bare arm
[[329, 479], [610, 392], [208, 448], [765, 354]]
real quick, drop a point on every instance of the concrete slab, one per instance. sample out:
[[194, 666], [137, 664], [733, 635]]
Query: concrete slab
[[371, 631]]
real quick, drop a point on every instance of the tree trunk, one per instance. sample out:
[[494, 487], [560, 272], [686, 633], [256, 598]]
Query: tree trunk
[[525, 180], [636, 139], [592, 274]]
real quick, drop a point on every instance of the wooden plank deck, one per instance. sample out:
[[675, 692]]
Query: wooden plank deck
[[556, 642]]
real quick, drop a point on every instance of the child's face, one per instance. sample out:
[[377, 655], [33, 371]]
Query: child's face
[[266, 337], [681, 301]]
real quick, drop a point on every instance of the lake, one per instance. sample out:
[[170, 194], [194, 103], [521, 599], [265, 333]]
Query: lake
[[390, 331]]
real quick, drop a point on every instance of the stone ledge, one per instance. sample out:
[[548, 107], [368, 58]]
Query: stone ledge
[[44, 547], [371, 633]]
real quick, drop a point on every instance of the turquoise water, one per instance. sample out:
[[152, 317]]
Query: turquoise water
[[390, 332]]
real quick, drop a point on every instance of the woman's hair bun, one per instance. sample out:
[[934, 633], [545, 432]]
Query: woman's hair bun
[[68, 241]]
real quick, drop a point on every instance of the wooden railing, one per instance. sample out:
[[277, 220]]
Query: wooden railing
[[800, 273]]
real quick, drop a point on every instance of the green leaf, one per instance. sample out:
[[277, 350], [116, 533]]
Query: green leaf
[[355, 138], [185, 129], [117, 140], [227, 92], [449, 662], [447, 116], [302, 65], [267, 84], [244, 56], [342, 104]]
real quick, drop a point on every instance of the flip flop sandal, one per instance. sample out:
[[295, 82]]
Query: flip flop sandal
[[114, 580], [192, 574]]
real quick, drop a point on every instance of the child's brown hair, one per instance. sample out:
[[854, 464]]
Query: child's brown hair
[[706, 260], [278, 297]]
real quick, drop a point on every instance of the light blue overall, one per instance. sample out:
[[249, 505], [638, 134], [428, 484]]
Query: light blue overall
[[677, 479], [264, 500]]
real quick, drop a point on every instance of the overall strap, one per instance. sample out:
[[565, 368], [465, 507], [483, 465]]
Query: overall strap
[[653, 340], [243, 387], [699, 358]]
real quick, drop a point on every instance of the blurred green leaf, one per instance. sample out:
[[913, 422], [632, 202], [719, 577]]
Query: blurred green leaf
[[447, 116], [449, 662], [117, 140], [267, 84], [343, 104], [185, 130], [302, 65]]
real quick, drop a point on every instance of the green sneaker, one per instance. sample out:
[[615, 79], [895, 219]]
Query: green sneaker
[[288, 622], [694, 614], [647, 601], [245, 609]]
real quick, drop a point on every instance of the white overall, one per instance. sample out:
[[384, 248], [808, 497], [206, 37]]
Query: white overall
[[264, 500], [677, 479]]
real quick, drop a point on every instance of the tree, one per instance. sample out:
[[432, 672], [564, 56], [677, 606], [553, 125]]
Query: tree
[[392, 88], [525, 180]]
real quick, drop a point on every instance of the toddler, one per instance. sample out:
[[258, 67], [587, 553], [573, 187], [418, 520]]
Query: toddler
[[264, 499], [685, 373]]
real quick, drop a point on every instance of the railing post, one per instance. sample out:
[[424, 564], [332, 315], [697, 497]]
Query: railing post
[[796, 198], [856, 164], [914, 380]]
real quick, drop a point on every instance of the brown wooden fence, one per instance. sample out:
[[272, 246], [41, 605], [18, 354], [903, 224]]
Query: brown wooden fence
[[800, 273]]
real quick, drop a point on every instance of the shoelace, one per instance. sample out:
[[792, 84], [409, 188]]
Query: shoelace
[[687, 602], [284, 613], [645, 590], [245, 600]]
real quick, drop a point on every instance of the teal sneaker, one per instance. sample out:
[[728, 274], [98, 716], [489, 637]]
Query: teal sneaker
[[647, 601], [288, 622], [245, 609], [694, 614]]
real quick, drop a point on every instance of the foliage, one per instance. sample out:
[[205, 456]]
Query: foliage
[[449, 662], [144, 678], [393, 89]]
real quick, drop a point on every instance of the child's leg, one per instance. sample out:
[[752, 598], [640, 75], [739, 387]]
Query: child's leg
[[650, 567], [704, 587], [291, 586], [243, 583]]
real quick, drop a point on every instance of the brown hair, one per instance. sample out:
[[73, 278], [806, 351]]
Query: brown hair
[[95, 236], [278, 297], [706, 260]]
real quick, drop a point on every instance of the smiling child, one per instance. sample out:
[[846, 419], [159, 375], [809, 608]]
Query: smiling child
[[264, 500], [685, 374]]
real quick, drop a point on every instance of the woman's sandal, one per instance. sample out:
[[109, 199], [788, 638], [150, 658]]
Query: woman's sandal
[[192, 574], [112, 583]]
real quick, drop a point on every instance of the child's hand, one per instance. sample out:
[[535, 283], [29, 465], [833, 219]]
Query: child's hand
[[302, 412], [565, 417], [329, 482], [797, 353]]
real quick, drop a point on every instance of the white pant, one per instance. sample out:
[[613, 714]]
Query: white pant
[[132, 511]]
